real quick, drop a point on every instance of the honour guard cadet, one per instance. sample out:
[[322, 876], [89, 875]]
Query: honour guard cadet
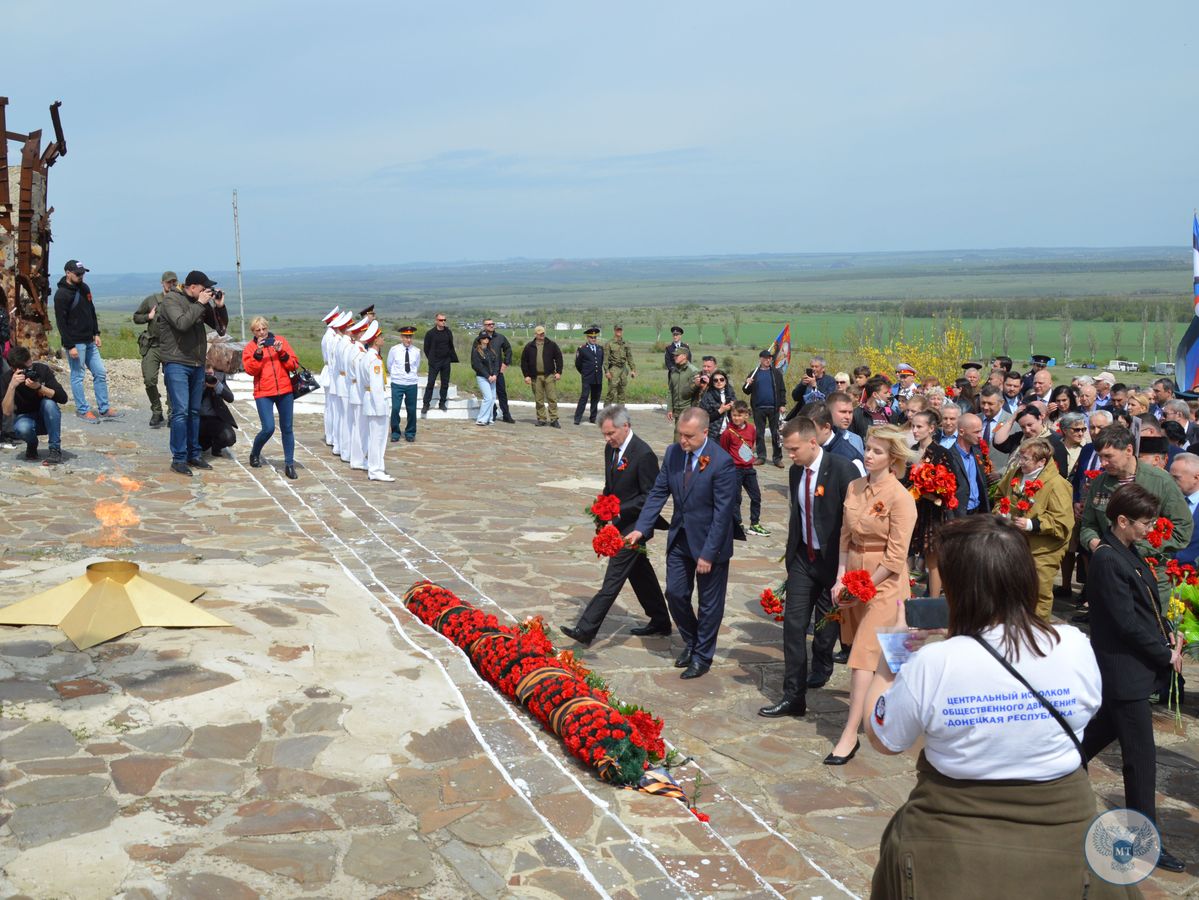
[[619, 359], [589, 361], [323, 379], [357, 389], [335, 397], [350, 405], [376, 404], [403, 363]]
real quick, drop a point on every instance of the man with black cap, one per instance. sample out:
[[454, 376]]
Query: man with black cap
[[589, 362], [183, 345], [147, 343], [676, 345], [403, 363], [80, 332], [439, 353], [1037, 362], [502, 348], [767, 397]]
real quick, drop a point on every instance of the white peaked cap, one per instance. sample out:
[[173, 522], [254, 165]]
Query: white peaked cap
[[331, 315], [371, 331], [343, 319]]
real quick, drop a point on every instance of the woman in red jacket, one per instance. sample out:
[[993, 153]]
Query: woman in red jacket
[[270, 360]]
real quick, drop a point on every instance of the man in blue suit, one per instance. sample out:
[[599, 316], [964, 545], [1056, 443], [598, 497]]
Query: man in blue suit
[[699, 477], [1185, 470]]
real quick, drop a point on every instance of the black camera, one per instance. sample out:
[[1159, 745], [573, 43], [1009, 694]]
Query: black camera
[[218, 294], [808, 372], [210, 379], [31, 375]]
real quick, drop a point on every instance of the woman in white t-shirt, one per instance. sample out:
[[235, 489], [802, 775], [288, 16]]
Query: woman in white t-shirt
[[1002, 801]]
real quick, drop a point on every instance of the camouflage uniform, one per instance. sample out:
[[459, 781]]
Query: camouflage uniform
[[619, 359], [684, 392]]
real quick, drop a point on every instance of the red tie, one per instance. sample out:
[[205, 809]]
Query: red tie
[[807, 501]]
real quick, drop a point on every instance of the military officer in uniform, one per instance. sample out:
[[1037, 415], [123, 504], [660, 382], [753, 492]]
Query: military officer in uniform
[[589, 361], [376, 403], [356, 371], [324, 379], [147, 343], [677, 343], [336, 395], [684, 387], [619, 359], [347, 358], [403, 362]]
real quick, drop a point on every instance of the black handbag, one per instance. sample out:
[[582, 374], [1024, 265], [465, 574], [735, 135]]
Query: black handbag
[[303, 382]]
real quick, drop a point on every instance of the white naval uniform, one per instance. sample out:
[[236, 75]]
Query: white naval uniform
[[376, 408], [357, 422], [328, 342], [344, 357]]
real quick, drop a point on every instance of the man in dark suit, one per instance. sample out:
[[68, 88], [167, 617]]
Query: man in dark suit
[[589, 362], [968, 468], [818, 481], [698, 476], [1185, 470], [630, 469]]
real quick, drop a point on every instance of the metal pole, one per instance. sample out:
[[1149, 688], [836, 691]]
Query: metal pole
[[241, 298]]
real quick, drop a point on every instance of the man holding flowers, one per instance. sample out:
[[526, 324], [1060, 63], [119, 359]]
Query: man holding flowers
[[630, 468]]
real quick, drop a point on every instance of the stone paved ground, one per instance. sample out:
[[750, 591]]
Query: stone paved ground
[[328, 745]]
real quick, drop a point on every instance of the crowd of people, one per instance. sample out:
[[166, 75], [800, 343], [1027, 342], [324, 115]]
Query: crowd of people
[[1044, 487]]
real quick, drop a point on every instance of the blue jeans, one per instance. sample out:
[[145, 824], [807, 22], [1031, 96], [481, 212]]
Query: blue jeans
[[487, 389], [89, 356], [48, 421], [406, 394], [266, 415], [185, 389]]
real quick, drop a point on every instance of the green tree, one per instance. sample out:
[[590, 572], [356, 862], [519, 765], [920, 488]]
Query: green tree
[[1117, 334], [737, 324]]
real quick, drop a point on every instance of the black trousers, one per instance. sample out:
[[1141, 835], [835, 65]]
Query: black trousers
[[215, 435], [764, 419], [1131, 723], [638, 571], [698, 625], [591, 391], [437, 370], [501, 397], [808, 598], [747, 480]]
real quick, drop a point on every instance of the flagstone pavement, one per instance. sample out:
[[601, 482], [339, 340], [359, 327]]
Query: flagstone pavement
[[327, 744]]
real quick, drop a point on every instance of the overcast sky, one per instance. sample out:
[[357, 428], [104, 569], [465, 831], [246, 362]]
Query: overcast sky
[[379, 133]]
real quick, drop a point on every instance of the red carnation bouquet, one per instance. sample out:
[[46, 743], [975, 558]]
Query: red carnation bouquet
[[1029, 491], [608, 541], [605, 509], [1004, 506], [985, 452], [856, 587], [935, 483], [1163, 530], [773, 602]]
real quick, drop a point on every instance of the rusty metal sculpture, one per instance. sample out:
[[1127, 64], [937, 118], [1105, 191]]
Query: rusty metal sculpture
[[25, 239]]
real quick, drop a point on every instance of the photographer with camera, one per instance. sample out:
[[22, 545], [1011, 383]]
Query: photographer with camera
[[183, 344], [217, 425], [32, 397], [270, 360]]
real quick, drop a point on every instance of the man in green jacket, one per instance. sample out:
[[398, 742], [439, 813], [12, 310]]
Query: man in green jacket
[[147, 343], [1114, 445], [183, 345], [618, 357], [683, 380]]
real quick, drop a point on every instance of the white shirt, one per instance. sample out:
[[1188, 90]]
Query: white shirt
[[395, 364], [806, 500], [623, 447], [979, 722]]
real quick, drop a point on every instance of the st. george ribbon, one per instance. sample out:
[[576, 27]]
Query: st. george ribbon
[[1186, 360]]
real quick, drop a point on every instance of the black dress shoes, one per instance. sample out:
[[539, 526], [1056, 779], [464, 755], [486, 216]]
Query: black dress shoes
[[842, 657], [575, 635], [684, 659], [795, 707], [816, 681], [181, 468], [650, 630], [255, 462], [1170, 862], [290, 472], [198, 463], [695, 670], [832, 760]]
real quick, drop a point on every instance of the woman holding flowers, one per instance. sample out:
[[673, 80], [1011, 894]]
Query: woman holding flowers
[[1134, 646], [930, 510], [1039, 502], [875, 534]]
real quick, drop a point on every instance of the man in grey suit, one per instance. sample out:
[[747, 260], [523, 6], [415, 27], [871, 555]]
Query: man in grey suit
[[699, 477]]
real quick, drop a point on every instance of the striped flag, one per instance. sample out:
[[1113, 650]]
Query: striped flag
[[781, 348], [1186, 358], [1195, 258]]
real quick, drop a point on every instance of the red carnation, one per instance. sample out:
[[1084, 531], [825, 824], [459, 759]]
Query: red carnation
[[605, 508], [607, 541], [858, 585]]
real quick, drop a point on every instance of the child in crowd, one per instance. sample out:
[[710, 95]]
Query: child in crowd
[[738, 441]]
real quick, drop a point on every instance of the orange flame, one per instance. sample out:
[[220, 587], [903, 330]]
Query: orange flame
[[114, 517]]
